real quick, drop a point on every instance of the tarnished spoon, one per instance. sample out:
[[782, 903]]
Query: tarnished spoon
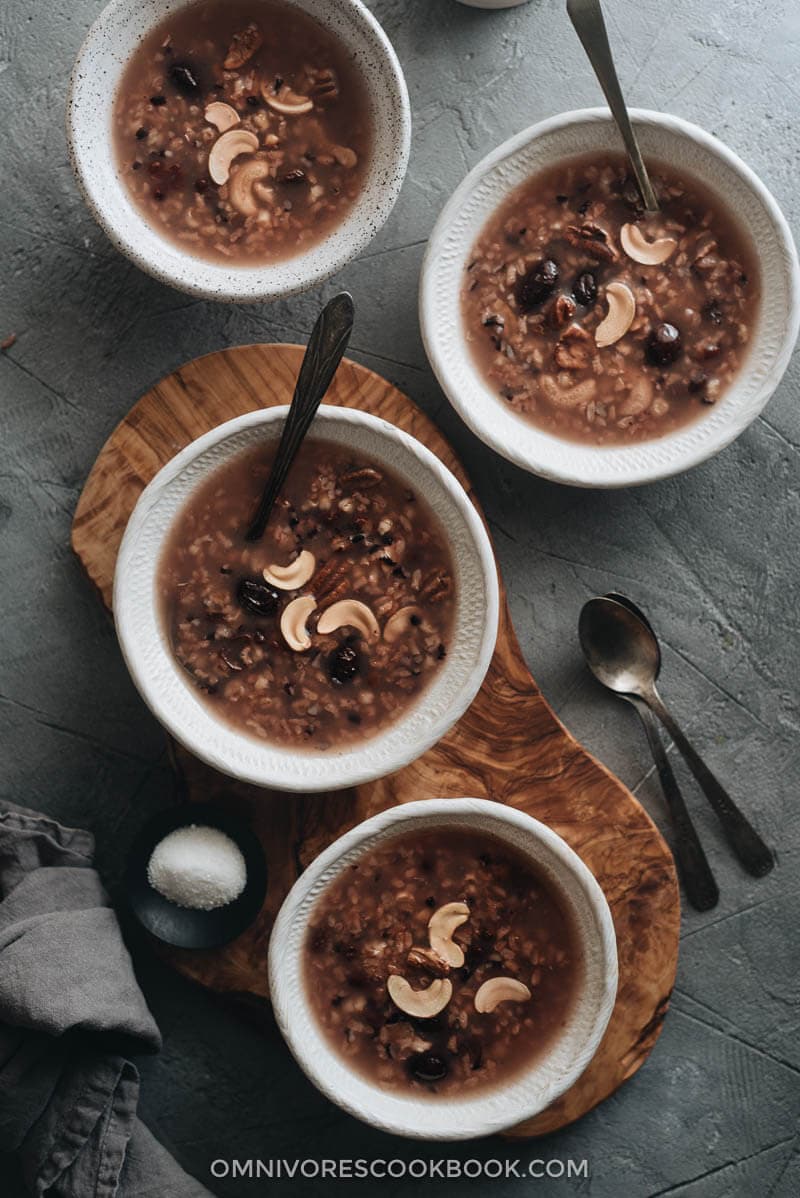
[[695, 872], [623, 653], [587, 19], [324, 352]]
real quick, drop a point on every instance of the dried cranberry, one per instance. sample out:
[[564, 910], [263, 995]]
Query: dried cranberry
[[141, 133], [254, 595], [343, 664], [184, 76], [585, 289], [629, 190], [537, 284], [428, 1066], [663, 346]]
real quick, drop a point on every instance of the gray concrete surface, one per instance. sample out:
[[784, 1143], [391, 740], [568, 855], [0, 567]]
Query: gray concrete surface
[[712, 556]]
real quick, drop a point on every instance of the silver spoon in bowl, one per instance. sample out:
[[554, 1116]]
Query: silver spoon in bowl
[[623, 653], [587, 20], [324, 352], [695, 872]]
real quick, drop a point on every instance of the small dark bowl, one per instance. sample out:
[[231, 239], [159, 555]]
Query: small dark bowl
[[184, 926]]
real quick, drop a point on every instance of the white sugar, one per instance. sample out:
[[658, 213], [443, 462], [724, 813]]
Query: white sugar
[[197, 867]]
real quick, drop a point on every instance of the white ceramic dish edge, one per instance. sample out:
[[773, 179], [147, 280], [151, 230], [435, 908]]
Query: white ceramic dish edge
[[158, 677], [133, 236], [496, 1109], [533, 449]]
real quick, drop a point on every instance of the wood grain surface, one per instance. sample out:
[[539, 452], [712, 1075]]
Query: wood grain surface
[[509, 746]]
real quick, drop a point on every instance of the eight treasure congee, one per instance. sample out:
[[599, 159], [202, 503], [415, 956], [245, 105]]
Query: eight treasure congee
[[442, 962], [327, 629], [599, 322], [243, 130]]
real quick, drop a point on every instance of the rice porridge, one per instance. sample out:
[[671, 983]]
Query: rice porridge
[[330, 626], [599, 322], [441, 962], [242, 130]]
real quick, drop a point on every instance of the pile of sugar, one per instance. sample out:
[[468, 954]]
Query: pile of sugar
[[197, 867]]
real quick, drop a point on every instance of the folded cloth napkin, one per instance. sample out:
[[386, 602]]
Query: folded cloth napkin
[[70, 1013]]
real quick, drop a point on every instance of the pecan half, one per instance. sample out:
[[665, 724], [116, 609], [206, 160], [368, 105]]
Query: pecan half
[[436, 587], [325, 87], [426, 958], [242, 48], [361, 480], [330, 581], [575, 349], [591, 240], [562, 311]]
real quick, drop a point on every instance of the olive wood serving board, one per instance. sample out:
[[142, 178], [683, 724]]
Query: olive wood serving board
[[508, 747]]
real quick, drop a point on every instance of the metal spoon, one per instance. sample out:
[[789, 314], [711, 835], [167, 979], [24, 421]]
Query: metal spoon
[[623, 653], [698, 880], [324, 352], [587, 19]]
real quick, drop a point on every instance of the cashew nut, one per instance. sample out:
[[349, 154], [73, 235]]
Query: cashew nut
[[351, 613], [221, 116], [423, 1004], [285, 101], [621, 311], [242, 185], [638, 399], [293, 576], [441, 926], [345, 156], [647, 253], [570, 397], [497, 990], [293, 622], [227, 147], [396, 625]]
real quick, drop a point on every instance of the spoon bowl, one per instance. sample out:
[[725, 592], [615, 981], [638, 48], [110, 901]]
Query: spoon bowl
[[623, 653], [621, 650], [695, 872]]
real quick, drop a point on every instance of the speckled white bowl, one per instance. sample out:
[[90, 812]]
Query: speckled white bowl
[[592, 130], [174, 700], [480, 1114], [100, 64]]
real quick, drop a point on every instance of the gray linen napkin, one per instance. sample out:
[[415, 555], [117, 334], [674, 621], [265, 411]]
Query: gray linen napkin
[[70, 1013]]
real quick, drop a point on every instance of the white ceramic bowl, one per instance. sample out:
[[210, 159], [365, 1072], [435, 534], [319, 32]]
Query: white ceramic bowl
[[497, 1108], [592, 130], [99, 66], [173, 699]]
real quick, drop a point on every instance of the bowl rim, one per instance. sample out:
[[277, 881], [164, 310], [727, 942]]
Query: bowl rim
[[206, 279], [472, 405], [337, 770], [469, 1119]]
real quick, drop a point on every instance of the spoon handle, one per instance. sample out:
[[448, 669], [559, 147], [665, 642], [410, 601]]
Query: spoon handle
[[324, 352], [695, 872], [746, 843], [587, 19]]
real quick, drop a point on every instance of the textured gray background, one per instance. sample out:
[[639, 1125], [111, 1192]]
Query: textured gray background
[[712, 556]]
